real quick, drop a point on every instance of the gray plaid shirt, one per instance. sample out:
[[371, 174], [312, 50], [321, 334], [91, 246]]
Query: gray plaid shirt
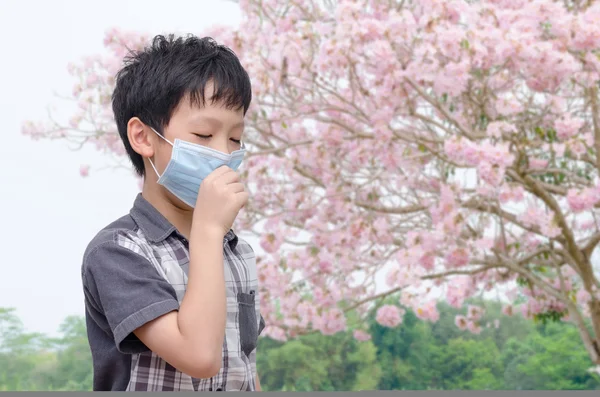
[[135, 270]]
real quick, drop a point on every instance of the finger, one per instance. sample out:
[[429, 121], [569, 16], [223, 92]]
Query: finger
[[236, 187], [242, 199], [219, 172], [229, 177]]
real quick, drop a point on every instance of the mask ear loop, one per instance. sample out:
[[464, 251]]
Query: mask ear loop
[[149, 159]]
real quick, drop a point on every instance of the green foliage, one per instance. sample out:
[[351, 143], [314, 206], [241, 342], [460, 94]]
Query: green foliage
[[417, 355]]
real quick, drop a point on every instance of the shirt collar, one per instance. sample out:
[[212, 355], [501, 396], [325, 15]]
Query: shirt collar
[[156, 227]]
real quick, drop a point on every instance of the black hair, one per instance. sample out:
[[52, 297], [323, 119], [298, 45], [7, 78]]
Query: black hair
[[153, 82]]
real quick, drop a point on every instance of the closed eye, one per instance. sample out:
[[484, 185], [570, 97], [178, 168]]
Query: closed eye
[[237, 141]]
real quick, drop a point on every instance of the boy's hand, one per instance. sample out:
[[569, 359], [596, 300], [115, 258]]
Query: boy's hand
[[220, 199]]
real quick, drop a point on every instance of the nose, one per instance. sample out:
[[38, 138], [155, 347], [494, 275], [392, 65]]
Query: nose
[[221, 144]]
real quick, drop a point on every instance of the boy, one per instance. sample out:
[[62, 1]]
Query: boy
[[170, 290]]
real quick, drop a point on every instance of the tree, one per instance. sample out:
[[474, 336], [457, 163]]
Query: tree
[[452, 145], [318, 363], [551, 359]]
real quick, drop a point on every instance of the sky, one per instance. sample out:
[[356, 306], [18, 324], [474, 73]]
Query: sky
[[48, 212]]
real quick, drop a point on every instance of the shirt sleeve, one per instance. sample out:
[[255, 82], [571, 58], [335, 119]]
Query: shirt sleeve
[[125, 288]]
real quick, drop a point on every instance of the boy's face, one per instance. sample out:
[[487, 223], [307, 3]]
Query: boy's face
[[212, 125]]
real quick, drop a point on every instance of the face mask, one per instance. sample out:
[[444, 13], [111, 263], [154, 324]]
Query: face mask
[[190, 164]]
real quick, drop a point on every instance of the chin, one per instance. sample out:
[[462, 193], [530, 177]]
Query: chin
[[177, 203]]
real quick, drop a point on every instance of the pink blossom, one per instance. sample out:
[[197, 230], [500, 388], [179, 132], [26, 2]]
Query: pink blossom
[[537, 164], [582, 200], [458, 289], [427, 261], [497, 128], [507, 310], [453, 80], [361, 335], [507, 107], [271, 242], [474, 327], [84, 170], [582, 296], [510, 193], [457, 257], [428, 311], [389, 316], [331, 322], [275, 333], [474, 312], [567, 127], [382, 232], [461, 322]]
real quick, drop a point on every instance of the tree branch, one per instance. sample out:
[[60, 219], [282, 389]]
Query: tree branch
[[391, 210], [591, 245], [596, 122]]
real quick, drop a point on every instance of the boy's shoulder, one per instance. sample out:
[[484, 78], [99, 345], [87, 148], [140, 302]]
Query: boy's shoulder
[[109, 236], [133, 232]]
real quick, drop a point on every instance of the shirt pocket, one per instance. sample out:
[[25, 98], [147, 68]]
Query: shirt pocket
[[247, 321]]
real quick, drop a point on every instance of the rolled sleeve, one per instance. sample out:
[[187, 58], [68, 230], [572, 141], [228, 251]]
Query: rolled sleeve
[[126, 289]]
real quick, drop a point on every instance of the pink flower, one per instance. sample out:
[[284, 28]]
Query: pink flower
[[331, 322], [457, 257], [582, 296], [389, 316], [427, 261], [84, 170], [567, 127], [275, 333], [457, 290], [382, 230], [452, 79], [271, 242], [537, 164], [361, 335], [582, 200], [508, 193], [474, 327], [461, 322], [497, 128], [507, 310], [428, 311], [508, 107], [474, 312]]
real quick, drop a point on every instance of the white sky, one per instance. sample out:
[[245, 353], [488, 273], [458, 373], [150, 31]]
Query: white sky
[[48, 213]]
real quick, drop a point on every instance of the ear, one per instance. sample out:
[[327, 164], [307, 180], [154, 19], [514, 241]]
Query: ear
[[139, 139]]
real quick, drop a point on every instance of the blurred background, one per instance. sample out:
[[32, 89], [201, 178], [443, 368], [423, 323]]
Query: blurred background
[[50, 209]]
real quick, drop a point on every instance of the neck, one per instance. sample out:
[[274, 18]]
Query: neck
[[178, 216]]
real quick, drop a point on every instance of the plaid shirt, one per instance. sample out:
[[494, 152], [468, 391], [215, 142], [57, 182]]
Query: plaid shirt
[[134, 271]]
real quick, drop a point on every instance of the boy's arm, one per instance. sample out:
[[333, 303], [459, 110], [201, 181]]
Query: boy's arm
[[142, 310], [191, 339], [258, 384]]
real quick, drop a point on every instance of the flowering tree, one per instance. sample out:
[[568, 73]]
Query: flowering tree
[[452, 146]]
